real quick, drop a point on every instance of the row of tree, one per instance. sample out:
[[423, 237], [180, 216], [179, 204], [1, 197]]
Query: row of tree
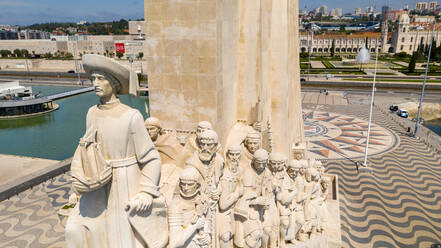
[[18, 53]]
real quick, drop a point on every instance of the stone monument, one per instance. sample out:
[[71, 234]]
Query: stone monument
[[231, 68]]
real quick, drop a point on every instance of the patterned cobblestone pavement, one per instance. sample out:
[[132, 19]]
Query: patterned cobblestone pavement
[[397, 206]]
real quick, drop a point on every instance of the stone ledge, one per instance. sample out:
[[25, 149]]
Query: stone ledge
[[12, 188]]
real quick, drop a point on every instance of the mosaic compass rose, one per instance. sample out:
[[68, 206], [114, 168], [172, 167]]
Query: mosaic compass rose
[[335, 136]]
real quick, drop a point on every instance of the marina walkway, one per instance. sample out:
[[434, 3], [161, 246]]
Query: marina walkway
[[70, 93]]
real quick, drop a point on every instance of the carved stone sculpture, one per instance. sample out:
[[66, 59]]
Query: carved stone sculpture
[[311, 191], [192, 143], [167, 145], [210, 166], [229, 223], [188, 212], [115, 168], [285, 193], [251, 144], [257, 198]]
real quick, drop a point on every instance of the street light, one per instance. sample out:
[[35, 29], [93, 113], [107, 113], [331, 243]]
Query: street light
[[372, 104], [424, 82]]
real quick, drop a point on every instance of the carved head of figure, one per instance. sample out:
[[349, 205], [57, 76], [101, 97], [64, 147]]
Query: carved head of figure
[[208, 145], [293, 169], [277, 162], [260, 160], [202, 126], [189, 182], [109, 77], [253, 141], [311, 174], [153, 127], [104, 84], [324, 183], [299, 151], [233, 157]]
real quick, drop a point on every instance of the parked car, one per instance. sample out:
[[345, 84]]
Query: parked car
[[393, 107], [302, 80], [402, 113], [71, 71]]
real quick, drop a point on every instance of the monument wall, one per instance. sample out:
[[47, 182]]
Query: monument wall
[[224, 61]]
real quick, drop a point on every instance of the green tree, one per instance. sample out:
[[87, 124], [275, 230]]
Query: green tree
[[25, 53], [140, 55], [333, 48], [119, 55], [47, 55], [5, 53], [17, 53], [412, 62]]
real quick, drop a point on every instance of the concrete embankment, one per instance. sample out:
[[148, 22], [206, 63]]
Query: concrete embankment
[[429, 111], [18, 173], [426, 135]]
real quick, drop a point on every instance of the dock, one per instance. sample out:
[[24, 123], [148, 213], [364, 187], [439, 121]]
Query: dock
[[69, 93]]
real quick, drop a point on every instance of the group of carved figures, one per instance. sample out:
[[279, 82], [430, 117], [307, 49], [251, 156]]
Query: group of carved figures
[[240, 197], [135, 185]]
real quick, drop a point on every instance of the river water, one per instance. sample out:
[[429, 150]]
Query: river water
[[54, 135], [434, 125]]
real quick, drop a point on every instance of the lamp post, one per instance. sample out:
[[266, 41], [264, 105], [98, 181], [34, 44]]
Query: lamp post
[[309, 51], [424, 83], [370, 110]]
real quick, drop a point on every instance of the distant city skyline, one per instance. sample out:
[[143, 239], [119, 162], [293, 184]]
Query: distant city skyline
[[27, 12]]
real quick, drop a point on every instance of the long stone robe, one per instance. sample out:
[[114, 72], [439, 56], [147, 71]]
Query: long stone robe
[[169, 149], [136, 167]]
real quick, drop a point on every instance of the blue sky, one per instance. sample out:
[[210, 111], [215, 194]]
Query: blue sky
[[25, 12]]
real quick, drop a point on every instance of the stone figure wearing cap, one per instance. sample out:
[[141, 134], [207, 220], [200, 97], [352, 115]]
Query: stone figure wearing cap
[[210, 165], [257, 197], [192, 143], [188, 212], [167, 145], [232, 190], [251, 144], [115, 168]]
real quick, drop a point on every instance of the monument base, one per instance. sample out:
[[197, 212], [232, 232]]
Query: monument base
[[365, 169], [318, 242]]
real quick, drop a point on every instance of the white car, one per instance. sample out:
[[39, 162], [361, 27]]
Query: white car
[[402, 113]]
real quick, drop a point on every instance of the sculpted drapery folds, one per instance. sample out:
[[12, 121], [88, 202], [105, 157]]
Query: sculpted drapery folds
[[229, 223], [115, 167]]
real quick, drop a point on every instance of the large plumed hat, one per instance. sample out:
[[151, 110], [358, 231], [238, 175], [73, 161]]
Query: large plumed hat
[[98, 63]]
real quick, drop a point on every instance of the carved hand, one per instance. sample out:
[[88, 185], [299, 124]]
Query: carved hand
[[141, 202], [214, 195]]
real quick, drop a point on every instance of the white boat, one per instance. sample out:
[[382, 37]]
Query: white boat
[[14, 91]]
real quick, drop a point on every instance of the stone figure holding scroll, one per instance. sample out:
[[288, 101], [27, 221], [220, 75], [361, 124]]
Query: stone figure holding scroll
[[116, 168]]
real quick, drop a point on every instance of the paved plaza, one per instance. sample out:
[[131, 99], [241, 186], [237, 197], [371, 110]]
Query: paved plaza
[[395, 206]]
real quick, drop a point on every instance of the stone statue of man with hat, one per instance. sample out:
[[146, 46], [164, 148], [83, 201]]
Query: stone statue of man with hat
[[115, 168]]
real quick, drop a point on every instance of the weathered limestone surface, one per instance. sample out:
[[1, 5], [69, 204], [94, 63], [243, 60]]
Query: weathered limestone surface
[[214, 60]]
